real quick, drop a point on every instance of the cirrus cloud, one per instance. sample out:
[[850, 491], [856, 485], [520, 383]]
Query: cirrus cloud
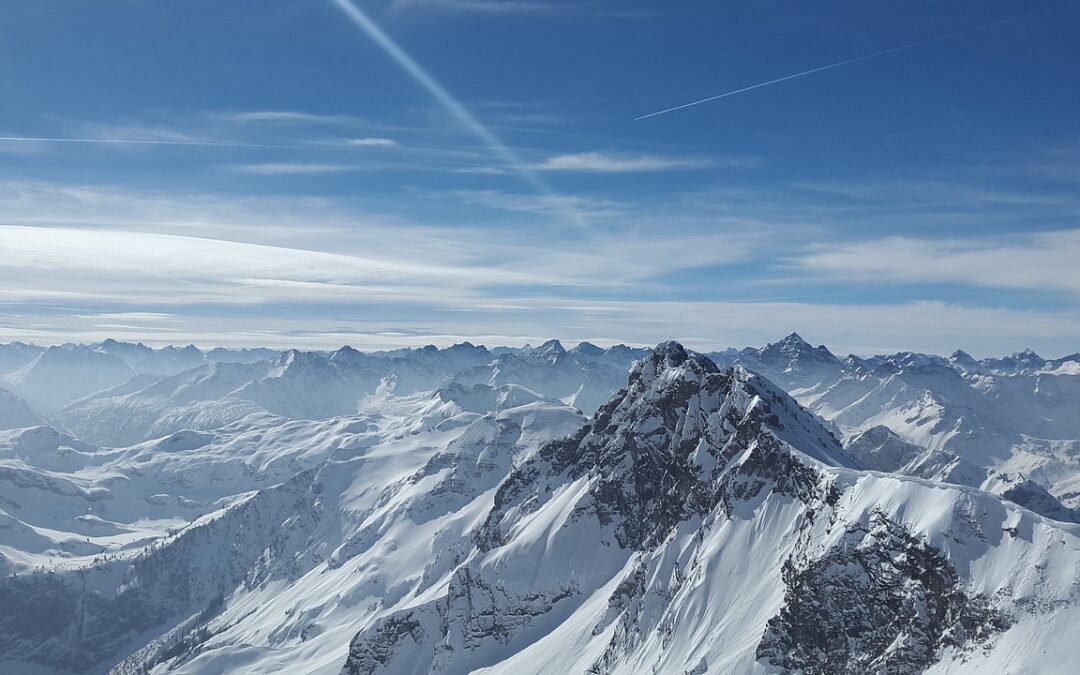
[[599, 162], [1042, 261]]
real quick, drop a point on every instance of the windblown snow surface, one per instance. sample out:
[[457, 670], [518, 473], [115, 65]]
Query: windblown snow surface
[[538, 510]]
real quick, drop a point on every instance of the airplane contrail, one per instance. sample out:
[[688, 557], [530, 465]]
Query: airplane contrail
[[864, 57], [452, 105]]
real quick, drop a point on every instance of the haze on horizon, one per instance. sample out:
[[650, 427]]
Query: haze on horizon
[[402, 172]]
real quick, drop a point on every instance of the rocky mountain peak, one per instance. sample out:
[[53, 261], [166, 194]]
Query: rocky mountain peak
[[551, 347], [963, 359], [670, 361], [467, 348], [346, 355], [587, 349], [682, 437], [296, 361], [794, 339], [789, 357]]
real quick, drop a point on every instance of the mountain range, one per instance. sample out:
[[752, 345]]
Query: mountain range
[[537, 510]]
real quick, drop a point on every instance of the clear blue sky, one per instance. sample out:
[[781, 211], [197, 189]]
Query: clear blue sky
[[272, 172]]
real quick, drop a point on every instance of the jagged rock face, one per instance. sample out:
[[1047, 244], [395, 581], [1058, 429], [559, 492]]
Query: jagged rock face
[[397, 632], [662, 448], [879, 602]]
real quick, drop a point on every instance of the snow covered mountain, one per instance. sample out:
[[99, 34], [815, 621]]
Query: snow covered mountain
[[314, 385], [966, 421], [791, 362], [59, 375], [700, 521], [146, 407], [15, 355], [171, 360], [580, 377], [14, 413]]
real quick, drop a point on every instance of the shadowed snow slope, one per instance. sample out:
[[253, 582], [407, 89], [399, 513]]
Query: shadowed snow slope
[[14, 413], [59, 375]]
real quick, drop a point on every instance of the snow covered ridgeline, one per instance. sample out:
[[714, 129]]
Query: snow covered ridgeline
[[988, 423], [691, 525], [368, 485], [703, 522]]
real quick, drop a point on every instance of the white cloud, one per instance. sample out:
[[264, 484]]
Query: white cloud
[[136, 132], [550, 205], [598, 162], [1042, 261], [178, 254], [289, 169], [174, 266], [482, 170], [372, 142], [286, 117]]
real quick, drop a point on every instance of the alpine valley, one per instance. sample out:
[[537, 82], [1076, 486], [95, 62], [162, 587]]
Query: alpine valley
[[537, 510]]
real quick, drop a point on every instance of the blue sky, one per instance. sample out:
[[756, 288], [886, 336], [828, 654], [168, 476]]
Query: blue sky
[[278, 172]]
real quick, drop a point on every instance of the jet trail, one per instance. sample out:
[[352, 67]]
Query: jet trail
[[864, 57], [452, 105]]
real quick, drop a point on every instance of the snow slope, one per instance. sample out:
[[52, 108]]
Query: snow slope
[[14, 413], [59, 375], [971, 421]]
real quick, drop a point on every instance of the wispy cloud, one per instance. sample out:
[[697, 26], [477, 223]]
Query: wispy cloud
[[1044, 261], [136, 132], [934, 327], [550, 205], [372, 142], [481, 170], [145, 142], [289, 169], [599, 162], [286, 117], [454, 282]]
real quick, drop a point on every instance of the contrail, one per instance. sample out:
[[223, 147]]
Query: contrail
[[864, 57], [447, 100]]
